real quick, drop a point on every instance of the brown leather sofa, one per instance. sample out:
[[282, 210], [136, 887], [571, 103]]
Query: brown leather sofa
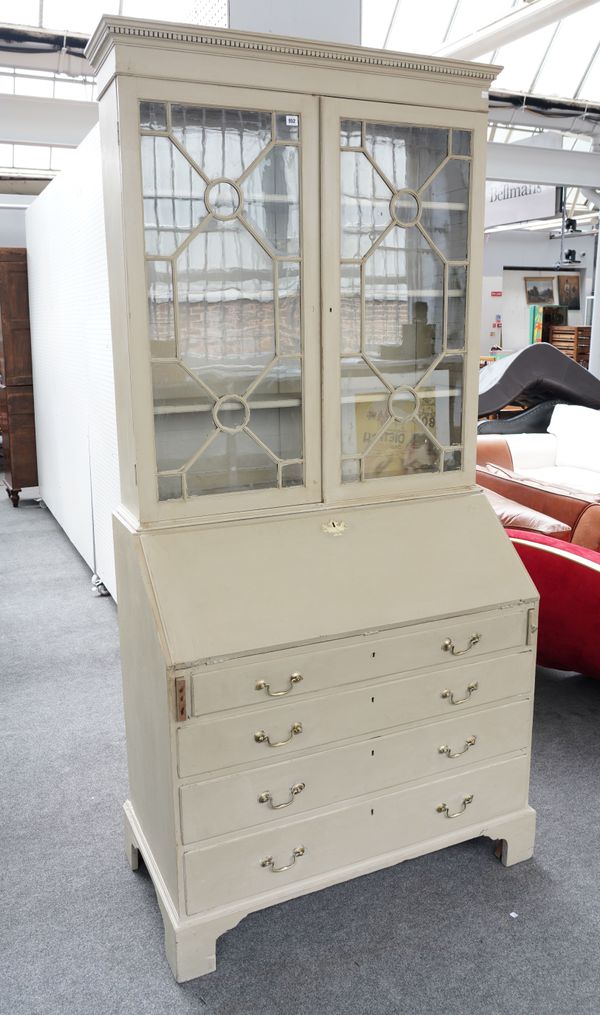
[[517, 516], [578, 510]]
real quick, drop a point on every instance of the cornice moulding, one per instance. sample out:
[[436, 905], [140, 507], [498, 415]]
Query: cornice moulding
[[114, 30]]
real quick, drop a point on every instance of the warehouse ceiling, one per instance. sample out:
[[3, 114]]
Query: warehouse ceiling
[[547, 47], [560, 58]]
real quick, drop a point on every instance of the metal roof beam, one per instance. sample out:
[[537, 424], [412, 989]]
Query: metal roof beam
[[516, 25], [552, 166], [544, 113], [22, 185], [41, 49], [26, 119]]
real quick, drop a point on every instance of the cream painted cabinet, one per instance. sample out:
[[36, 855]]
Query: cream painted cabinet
[[328, 643]]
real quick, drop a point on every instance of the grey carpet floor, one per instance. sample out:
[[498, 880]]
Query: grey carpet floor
[[80, 933]]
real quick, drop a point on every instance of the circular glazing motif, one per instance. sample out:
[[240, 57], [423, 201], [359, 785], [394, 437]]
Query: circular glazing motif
[[405, 207], [403, 404], [231, 413], [222, 198]]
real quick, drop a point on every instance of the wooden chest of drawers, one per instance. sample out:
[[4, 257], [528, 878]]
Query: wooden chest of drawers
[[17, 424]]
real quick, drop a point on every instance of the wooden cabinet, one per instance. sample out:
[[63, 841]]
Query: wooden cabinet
[[574, 341], [16, 382], [328, 643]]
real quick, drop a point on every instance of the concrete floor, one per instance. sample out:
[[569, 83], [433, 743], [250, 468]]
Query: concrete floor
[[82, 934]]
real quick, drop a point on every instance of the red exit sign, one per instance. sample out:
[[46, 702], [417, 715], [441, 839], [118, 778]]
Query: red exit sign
[[496, 292]]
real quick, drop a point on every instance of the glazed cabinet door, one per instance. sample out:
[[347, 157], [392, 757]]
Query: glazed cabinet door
[[397, 250], [222, 237]]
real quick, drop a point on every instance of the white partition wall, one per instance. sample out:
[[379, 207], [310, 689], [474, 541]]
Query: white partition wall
[[72, 357]]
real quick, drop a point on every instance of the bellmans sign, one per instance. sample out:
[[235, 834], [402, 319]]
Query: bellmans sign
[[517, 202]]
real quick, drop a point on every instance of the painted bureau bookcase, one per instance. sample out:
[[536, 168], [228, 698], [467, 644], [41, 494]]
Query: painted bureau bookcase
[[327, 640]]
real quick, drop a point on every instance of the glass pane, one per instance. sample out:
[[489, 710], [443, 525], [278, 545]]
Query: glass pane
[[223, 142], [231, 462], [169, 487], [364, 405], [440, 401], [445, 209], [365, 210], [403, 449], [230, 413], [350, 308], [290, 335], [153, 116], [394, 419], [453, 460], [77, 17], [287, 126], [351, 133], [276, 409], [227, 371], [21, 12], [173, 193], [272, 199], [161, 317], [226, 314], [351, 470], [457, 294], [471, 15], [407, 155], [182, 416], [403, 404], [176, 390], [292, 475], [405, 208], [570, 52], [461, 142], [404, 285], [222, 199], [522, 60]]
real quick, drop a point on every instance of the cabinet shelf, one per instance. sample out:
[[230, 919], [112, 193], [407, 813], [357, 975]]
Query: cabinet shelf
[[284, 402], [379, 397]]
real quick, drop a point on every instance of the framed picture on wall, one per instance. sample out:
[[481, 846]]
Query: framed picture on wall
[[540, 292], [568, 292]]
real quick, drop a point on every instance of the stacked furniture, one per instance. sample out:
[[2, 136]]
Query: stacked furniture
[[17, 424], [539, 373], [573, 340], [328, 643]]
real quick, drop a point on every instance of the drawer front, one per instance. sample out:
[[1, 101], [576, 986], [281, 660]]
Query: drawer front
[[233, 870], [307, 782], [223, 687], [212, 744]]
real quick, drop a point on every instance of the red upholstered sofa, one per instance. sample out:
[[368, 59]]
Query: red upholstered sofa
[[568, 580]]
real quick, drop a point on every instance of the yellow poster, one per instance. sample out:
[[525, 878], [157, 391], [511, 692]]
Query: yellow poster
[[404, 447]]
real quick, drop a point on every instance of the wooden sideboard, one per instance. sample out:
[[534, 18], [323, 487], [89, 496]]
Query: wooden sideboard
[[16, 382]]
